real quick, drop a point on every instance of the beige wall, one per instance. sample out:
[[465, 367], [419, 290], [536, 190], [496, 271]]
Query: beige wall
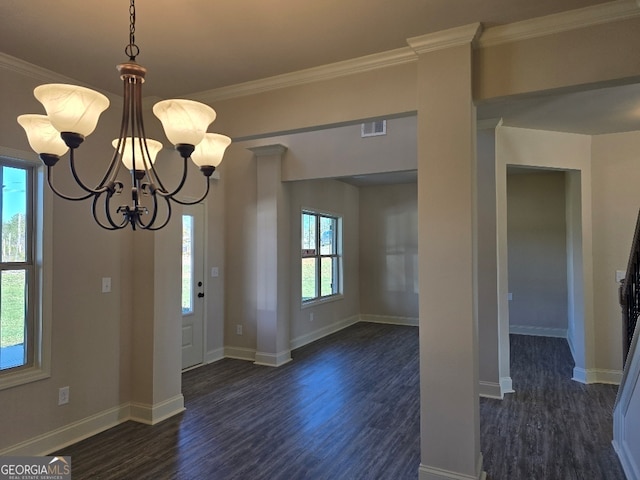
[[90, 350], [536, 236], [389, 250], [616, 175], [337, 198]]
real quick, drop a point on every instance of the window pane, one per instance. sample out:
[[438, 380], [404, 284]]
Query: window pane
[[327, 235], [14, 214], [187, 264], [309, 275], [328, 276], [308, 234], [12, 318]]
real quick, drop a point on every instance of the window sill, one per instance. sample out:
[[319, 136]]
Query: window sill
[[22, 377], [321, 300]]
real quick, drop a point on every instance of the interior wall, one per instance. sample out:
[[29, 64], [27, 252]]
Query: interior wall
[[338, 198], [389, 251], [616, 175], [536, 235], [88, 353], [543, 149]]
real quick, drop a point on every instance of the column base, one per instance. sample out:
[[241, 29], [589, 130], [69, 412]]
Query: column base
[[273, 359], [426, 472]]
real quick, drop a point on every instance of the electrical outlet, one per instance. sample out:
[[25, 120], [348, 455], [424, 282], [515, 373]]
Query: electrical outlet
[[238, 329], [63, 396]]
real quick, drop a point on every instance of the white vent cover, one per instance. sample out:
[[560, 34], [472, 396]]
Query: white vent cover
[[372, 129]]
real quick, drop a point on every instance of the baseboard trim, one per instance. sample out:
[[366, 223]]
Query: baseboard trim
[[595, 375], [69, 434], [506, 385], [323, 332], [407, 321], [272, 359], [426, 472], [490, 390], [214, 355], [240, 353], [156, 413], [538, 331]]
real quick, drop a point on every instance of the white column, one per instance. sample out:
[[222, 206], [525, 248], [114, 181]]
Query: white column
[[272, 318], [493, 338], [449, 403], [156, 348]]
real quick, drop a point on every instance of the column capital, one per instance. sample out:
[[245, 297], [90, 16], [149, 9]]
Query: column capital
[[268, 150], [446, 38]]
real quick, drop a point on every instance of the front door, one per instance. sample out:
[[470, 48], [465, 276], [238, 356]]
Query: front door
[[192, 285]]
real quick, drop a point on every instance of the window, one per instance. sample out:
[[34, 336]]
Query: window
[[321, 256], [22, 333]]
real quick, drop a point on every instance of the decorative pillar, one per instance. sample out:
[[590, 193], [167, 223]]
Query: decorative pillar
[[272, 317], [449, 402], [493, 333], [156, 351]]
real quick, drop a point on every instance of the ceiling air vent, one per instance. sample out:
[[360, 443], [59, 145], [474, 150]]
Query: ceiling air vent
[[372, 129]]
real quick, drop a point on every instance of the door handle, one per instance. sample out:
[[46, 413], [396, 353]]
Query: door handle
[[200, 295]]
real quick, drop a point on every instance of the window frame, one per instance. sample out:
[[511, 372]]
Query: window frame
[[316, 253], [39, 286]]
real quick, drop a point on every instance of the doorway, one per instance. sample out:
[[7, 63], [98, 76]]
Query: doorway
[[193, 288]]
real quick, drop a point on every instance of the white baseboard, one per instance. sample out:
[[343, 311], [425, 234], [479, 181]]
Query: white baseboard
[[273, 359], [323, 332], [240, 353], [595, 375], [432, 473], [69, 434], [490, 390], [153, 414], [506, 385], [408, 321], [538, 331], [214, 355]]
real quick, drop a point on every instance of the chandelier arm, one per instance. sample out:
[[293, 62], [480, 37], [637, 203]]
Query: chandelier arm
[[150, 170], [112, 225], [163, 192], [72, 164], [62, 195], [204, 195], [149, 226]]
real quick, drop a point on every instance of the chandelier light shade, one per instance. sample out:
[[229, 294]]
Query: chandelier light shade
[[134, 159], [72, 115], [71, 108], [211, 150], [43, 138]]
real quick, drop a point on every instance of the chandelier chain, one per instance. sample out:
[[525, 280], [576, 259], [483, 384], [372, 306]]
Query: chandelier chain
[[132, 49]]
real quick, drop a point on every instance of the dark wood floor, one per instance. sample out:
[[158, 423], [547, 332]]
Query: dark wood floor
[[347, 407]]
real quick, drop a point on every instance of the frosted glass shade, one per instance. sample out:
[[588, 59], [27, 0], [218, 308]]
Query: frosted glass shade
[[210, 150], [71, 108], [184, 121], [43, 138], [127, 157]]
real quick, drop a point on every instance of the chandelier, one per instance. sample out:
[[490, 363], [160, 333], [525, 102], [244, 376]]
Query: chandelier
[[72, 114]]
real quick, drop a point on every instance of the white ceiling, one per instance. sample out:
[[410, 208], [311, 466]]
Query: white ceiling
[[191, 46]]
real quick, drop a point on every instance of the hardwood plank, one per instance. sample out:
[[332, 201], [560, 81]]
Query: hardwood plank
[[348, 407]]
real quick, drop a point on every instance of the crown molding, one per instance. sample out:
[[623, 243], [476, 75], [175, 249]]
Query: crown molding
[[269, 150], [560, 22], [16, 65], [445, 39], [310, 75], [26, 69]]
